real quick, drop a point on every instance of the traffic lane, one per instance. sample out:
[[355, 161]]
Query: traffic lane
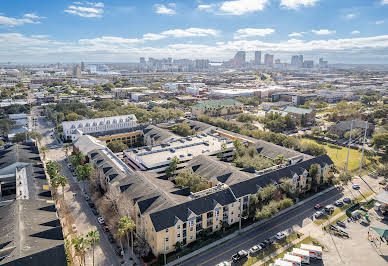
[[258, 234]]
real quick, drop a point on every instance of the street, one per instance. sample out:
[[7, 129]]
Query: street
[[296, 217]]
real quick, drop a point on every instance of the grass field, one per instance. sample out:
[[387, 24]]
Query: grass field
[[339, 154]]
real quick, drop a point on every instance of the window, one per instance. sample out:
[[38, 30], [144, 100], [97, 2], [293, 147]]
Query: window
[[191, 237], [167, 230], [231, 221], [179, 226], [216, 226], [191, 229], [217, 213], [167, 247], [191, 223], [178, 235], [166, 239]]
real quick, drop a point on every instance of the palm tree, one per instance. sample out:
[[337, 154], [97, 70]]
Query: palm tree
[[53, 168], [61, 181], [44, 150], [119, 235], [66, 148], [84, 172], [279, 159], [93, 238], [77, 159], [127, 224], [80, 247]]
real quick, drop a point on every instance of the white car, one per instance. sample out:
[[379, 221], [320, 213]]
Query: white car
[[280, 235], [224, 263], [318, 214], [254, 249], [100, 220]]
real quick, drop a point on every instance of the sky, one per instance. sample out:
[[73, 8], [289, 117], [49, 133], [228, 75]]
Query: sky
[[44, 31]]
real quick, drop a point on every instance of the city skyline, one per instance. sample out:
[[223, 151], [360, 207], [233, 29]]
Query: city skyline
[[341, 32]]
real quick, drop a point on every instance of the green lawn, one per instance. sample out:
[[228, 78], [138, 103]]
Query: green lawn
[[339, 154]]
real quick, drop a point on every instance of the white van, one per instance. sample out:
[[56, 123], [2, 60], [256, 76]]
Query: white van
[[295, 260], [280, 262], [314, 251], [303, 254]]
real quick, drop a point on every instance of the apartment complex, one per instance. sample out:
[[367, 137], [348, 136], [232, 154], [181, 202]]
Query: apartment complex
[[165, 213], [218, 107], [74, 129]]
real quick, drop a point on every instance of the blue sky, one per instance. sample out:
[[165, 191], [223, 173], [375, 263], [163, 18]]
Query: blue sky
[[350, 31]]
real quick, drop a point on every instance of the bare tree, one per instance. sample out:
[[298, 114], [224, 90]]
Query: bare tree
[[142, 248], [113, 195], [125, 206]]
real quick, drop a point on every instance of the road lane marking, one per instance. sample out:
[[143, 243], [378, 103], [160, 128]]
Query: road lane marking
[[260, 234]]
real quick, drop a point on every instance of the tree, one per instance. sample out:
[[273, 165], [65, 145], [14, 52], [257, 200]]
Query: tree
[[267, 193], [237, 144], [53, 168], [2, 143], [287, 185], [20, 137], [117, 146], [84, 172], [80, 245], [382, 170], [77, 159], [93, 238], [60, 181], [127, 224], [5, 125], [44, 150], [191, 180], [380, 141], [170, 171], [279, 159], [178, 246], [313, 173], [73, 117], [35, 135], [183, 129], [142, 248], [66, 147]]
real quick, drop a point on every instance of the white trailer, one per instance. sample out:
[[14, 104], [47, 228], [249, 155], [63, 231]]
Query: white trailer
[[295, 260], [303, 254], [280, 262], [315, 252]]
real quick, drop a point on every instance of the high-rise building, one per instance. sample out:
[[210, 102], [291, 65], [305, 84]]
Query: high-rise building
[[258, 58], [142, 61], [239, 59], [82, 66], [297, 60], [323, 64], [202, 64], [300, 61], [268, 59], [308, 64], [77, 71]]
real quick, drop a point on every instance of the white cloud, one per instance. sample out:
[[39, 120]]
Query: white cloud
[[296, 34], [162, 9], [379, 22], [86, 9], [241, 7], [355, 32], [205, 6], [153, 37], [351, 16], [27, 19], [324, 32], [251, 32], [384, 2], [296, 4], [190, 32], [40, 36], [19, 48]]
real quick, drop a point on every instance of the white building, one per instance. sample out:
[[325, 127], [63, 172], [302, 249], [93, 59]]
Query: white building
[[72, 130]]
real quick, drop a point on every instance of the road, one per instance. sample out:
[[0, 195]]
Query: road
[[298, 216], [84, 219]]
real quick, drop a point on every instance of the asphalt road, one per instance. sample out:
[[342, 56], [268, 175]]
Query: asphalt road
[[253, 237]]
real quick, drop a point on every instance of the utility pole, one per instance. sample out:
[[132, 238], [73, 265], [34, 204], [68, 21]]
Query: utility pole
[[363, 148], [350, 140]]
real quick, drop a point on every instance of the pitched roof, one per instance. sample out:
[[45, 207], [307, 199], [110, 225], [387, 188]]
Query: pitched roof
[[158, 134], [251, 186], [271, 150], [167, 217]]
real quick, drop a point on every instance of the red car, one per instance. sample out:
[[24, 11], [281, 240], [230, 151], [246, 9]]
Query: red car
[[318, 206]]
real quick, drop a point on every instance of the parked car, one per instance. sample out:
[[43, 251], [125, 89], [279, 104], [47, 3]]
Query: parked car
[[95, 211], [87, 197], [224, 263], [318, 206], [356, 187], [280, 235], [91, 204], [318, 214], [268, 242], [239, 255], [342, 224], [263, 245], [347, 200], [105, 228], [329, 209], [100, 220], [111, 238], [338, 203], [254, 250]]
